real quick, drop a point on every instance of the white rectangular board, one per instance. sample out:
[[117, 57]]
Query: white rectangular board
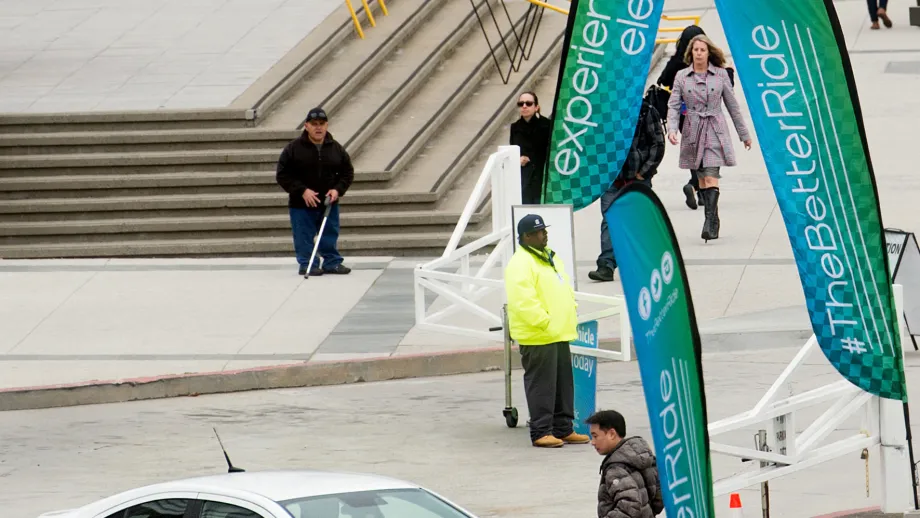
[[561, 229]]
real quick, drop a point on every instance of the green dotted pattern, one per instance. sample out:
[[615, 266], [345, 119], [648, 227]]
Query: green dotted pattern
[[615, 102], [833, 221]]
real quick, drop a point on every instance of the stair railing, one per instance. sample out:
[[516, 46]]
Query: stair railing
[[521, 42], [367, 10]]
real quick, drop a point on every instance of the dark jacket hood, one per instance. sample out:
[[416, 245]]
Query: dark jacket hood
[[684, 41], [632, 451]]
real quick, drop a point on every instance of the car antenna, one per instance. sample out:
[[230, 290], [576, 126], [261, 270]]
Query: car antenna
[[232, 468]]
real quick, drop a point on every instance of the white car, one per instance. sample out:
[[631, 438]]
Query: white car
[[274, 494]]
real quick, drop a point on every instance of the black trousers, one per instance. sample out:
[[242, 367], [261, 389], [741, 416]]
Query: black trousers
[[531, 184], [549, 388]]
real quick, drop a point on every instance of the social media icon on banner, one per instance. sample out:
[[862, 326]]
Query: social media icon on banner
[[656, 285], [667, 267], [645, 304]]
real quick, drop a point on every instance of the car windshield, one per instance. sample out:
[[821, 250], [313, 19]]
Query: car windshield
[[391, 503]]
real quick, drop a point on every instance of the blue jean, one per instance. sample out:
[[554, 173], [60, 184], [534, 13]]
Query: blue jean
[[606, 258], [305, 225]]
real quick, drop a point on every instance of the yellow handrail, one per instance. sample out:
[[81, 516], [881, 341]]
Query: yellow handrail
[[367, 10], [695, 18], [551, 7]]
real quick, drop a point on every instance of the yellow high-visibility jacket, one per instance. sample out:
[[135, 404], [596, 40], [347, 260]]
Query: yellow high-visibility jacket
[[541, 302]]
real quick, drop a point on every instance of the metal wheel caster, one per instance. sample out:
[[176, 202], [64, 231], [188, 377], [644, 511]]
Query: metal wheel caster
[[511, 417]]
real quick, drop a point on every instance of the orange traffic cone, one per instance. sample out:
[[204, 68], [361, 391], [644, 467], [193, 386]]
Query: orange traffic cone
[[734, 506]]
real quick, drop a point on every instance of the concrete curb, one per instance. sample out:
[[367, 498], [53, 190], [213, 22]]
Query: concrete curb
[[274, 377], [294, 375]]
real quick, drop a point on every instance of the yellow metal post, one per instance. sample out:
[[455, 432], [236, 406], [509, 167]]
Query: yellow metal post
[[354, 18], [383, 7], [370, 17]]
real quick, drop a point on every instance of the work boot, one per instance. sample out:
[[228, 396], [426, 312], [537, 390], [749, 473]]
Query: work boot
[[548, 441], [691, 198], [302, 271], [576, 438], [316, 272], [602, 274]]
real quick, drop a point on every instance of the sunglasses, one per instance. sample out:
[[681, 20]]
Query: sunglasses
[[525, 103]]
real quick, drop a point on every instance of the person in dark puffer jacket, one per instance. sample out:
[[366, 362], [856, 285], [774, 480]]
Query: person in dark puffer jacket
[[629, 486]]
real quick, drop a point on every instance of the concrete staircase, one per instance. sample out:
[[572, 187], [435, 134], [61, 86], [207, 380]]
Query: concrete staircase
[[419, 104]]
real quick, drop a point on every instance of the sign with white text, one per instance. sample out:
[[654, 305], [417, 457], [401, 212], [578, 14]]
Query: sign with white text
[[584, 373]]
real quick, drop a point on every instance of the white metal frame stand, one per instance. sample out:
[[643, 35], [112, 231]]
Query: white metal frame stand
[[789, 451], [464, 289]]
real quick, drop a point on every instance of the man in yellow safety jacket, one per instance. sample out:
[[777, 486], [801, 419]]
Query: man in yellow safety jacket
[[542, 318]]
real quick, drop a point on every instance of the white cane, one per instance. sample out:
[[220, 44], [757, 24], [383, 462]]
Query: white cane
[[319, 236]]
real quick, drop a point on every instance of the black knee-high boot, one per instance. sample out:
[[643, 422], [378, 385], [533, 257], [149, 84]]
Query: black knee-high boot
[[711, 206]]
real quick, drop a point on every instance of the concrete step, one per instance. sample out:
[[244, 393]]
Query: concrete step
[[138, 184], [456, 139], [443, 97], [24, 172], [407, 70], [173, 228], [354, 221], [89, 142], [394, 244], [332, 82], [201, 204], [126, 121]]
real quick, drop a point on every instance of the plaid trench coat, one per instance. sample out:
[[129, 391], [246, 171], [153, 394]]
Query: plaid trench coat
[[705, 138]]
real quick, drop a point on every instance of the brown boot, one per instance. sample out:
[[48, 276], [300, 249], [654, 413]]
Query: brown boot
[[576, 438], [874, 26], [884, 16], [548, 441]]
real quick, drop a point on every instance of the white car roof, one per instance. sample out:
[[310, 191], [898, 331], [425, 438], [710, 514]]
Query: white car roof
[[277, 486], [286, 485]]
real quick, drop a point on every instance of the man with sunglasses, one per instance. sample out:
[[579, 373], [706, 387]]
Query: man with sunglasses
[[312, 169], [542, 317]]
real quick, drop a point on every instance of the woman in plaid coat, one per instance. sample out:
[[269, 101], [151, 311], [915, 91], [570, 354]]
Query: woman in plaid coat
[[706, 143]]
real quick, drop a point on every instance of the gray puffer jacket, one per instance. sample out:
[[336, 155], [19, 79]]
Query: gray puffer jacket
[[629, 487]]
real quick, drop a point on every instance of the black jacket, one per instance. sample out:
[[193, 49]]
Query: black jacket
[[302, 166], [647, 147], [533, 139]]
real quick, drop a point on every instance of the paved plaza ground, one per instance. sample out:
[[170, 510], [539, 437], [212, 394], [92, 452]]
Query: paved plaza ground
[[70, 322]]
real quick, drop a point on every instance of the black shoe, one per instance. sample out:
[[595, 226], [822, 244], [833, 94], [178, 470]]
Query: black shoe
[[691, 199], [601, 275], [302, 271], [316, 272], [339, 270]]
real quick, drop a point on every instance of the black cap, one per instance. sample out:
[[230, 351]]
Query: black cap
[[317, 114], [530, 223]]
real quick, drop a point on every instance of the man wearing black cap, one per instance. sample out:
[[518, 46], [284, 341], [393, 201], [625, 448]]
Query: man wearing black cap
[[542, 316], [314, 169]]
